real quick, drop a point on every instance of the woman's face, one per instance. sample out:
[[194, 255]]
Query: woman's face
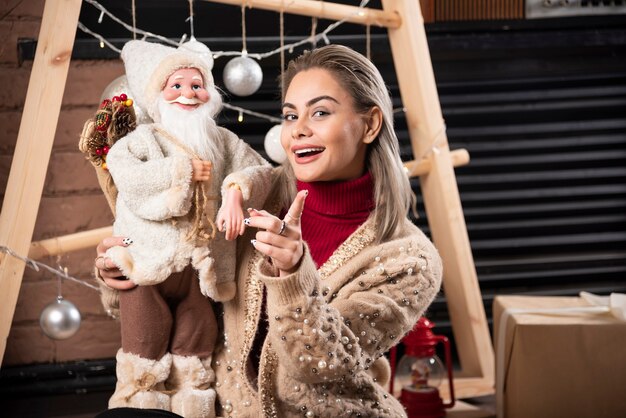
[[323, 136]]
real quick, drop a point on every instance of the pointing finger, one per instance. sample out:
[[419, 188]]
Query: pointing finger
[[295, 210]]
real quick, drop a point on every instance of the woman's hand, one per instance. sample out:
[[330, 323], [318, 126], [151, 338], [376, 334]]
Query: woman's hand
[[200, 170], [230, 215], [281, 240], [110, 273]]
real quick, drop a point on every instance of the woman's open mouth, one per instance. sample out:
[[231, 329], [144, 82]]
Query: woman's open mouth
[[306, 153]]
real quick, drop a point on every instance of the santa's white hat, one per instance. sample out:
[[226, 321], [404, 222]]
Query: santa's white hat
[[149, 65]]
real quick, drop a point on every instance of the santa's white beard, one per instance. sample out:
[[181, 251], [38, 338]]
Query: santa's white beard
[[194, 128]]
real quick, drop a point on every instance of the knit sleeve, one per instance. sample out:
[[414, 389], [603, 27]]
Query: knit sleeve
[[324, 333], [152, 185], [247, 169]]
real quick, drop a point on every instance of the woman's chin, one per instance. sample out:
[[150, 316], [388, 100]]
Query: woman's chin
[[307, 177]]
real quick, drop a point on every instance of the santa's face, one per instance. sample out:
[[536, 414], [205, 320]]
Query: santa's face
[[185, 89]]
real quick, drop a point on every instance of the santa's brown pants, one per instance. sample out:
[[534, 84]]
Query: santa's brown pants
[[172, 316]]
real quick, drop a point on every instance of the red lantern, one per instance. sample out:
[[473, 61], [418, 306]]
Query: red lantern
[[420, 372]]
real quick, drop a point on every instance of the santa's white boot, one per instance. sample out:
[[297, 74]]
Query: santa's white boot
[[189, 381], [140, 382]]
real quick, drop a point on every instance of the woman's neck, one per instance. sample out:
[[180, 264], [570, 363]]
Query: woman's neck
[[333, 211], [340, 197]]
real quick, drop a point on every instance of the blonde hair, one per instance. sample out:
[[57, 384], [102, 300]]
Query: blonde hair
[[361, 79]]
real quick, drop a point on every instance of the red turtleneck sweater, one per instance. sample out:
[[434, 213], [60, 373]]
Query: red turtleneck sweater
[[333, 211]]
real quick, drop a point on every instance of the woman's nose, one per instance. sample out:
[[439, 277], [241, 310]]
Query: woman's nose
[[299, 130]]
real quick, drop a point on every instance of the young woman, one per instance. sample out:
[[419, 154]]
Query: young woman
[[326, 289]]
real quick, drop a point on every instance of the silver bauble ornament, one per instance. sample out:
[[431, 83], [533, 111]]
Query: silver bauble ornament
[[119, 86], [243, 76], [60, 319], [197, 47], [272, 145]]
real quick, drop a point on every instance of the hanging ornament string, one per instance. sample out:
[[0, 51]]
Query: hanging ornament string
[[244, 50], [313, 32], [134, 12], [35, 265], [59, 278], [191, 19], [282, 49], [243, 75], [368, 43]]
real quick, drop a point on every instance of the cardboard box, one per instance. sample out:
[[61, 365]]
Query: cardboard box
[[558, 365]]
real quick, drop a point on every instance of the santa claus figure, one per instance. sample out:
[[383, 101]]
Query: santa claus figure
[[171, 176]]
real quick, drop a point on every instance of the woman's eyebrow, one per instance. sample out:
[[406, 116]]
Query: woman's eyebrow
[[320, 98], [312, 101]]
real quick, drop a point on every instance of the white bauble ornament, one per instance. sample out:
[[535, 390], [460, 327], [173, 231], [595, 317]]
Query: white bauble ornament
[[60, 319], [197, 47], [272, 145], [119, 86], [243, 76]]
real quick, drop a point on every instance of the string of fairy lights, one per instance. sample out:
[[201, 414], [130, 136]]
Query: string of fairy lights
[[242, 77]]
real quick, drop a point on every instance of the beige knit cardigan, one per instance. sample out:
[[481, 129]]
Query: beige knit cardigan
[[328, 328]]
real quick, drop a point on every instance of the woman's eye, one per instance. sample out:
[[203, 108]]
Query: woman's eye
[[289, 117], [320, 113]]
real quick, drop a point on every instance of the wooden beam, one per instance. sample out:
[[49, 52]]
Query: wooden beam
[[34, 144], [67, 243], [324, 10], [439, 189], [416, 168]]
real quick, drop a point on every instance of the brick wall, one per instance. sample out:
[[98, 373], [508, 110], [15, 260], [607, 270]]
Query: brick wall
[[71, 200]]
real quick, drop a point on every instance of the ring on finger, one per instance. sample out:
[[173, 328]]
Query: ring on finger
[[283, 224], [292, 217], [104, 263], [95, 262]]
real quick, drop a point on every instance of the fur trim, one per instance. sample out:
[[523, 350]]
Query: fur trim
[[139, 381], [169, 65], [205, 264], [190, 371], [242, 179], [224, 291], [193, 403], [148, 65], [122, 257], [189, 380], [209, 286]]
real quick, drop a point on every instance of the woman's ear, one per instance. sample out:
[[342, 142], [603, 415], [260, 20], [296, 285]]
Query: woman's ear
[[373, 123]]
